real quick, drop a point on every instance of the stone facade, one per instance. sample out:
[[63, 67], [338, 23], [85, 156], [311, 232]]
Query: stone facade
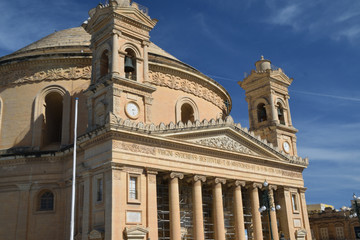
[[330, 224], [158, 155]]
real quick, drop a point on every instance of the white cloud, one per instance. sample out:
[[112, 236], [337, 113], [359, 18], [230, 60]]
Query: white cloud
[[318, 18]]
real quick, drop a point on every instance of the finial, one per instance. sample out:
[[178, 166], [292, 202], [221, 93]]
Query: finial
[[262, 57]]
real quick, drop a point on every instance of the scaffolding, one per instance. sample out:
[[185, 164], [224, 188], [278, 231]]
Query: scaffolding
[[247, 214], [186, 217], [207, 210], [162, 189], [228, 202]]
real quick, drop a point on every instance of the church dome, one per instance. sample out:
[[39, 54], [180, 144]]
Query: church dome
[[70, 41]]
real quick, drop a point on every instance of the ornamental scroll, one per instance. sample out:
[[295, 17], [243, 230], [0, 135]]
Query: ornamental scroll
[[175, 82], [27, 76]]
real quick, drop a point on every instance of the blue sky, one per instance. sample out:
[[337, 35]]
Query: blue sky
[[316, 42]]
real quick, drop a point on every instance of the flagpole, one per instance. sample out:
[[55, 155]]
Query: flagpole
[[74, 174]]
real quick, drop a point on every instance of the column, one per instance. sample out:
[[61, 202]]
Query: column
[[115, 54], [239, 211], [152, 221], [218, 209], [23, 211], [256, 217], [274, 117], [273, 219], [288, 110], [198, 218], [174, 205], [146, 60]]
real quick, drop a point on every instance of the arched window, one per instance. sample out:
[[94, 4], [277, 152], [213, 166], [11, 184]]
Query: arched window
[[261, 113], [53, 118], [280, 112], [104, 63], [45, 201], [187, 113], [130, 64]]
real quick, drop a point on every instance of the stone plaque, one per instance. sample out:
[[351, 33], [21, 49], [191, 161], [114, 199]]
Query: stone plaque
[[133, 217], [297, 223]]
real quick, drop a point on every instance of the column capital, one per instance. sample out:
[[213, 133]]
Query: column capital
[[302, 190], [220, 180], [151, 171], [199, 178], [240, 183], [254, 185], [176, 175], [145, 43], [116, 32], [272, 187]]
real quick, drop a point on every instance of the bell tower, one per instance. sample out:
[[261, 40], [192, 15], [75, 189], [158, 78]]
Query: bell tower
[[266, 90], [119, 43]]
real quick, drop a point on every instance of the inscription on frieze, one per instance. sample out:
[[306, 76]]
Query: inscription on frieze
[[203, 160]]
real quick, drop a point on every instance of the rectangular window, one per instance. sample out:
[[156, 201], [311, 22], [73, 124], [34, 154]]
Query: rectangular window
[[133, 188], [99, 190], [324, 234], [294, 202], [340, 233]]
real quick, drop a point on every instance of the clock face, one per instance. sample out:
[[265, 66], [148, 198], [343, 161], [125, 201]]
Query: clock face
[[132, 110], [286, 147]]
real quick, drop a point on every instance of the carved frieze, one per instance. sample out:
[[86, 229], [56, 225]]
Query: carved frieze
[[178, 83], [225, 143], [135, 148], [21, 76]]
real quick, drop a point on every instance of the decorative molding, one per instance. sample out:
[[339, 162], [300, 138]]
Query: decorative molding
[[185, 85], [225, 143], [27, 76], [24, 186]]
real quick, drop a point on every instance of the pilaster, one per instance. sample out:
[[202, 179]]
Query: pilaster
[[23, 211]]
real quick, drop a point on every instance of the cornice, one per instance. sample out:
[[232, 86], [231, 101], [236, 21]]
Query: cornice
[[156, 136]]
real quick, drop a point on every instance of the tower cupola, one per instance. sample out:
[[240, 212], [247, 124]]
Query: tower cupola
[[263, 65]]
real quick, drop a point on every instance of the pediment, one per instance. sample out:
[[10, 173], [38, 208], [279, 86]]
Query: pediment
[[96, 234], [136, 231], [137, 16], [227, 143]]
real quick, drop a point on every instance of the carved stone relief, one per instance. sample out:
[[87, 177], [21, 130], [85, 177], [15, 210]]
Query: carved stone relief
[[27, 76], [175, 82], [225, 143]]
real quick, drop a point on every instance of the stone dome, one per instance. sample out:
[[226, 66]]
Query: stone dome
[[68, 41]]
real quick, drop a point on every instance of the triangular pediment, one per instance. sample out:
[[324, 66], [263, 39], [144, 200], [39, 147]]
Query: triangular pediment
[[226, 139], [137, 16], [227, 143]]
